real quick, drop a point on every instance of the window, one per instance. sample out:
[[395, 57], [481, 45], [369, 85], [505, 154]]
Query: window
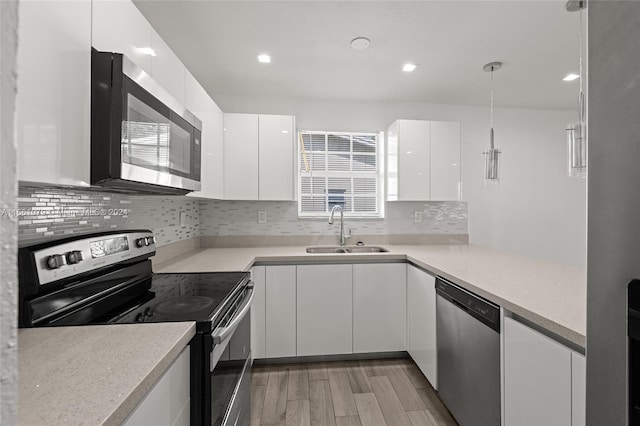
[[339, 169]]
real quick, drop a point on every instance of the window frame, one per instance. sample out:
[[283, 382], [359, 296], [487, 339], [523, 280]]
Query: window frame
[[379, 174]]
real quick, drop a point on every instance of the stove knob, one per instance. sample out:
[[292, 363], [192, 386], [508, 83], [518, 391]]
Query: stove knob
[[148, 312], [140, 317], [141, 242], [74, 257], [151, 240], [55, 261]]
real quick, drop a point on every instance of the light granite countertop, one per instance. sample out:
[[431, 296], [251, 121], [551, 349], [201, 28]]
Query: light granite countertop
[[92, 375], [551, 295]]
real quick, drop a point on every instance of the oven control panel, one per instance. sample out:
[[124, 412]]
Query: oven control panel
[[84, 255]]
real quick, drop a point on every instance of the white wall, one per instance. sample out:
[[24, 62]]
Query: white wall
[[8, 225], [537, 210], [614, 202]]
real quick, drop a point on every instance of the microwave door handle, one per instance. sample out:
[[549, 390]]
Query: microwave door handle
[[220, 334]]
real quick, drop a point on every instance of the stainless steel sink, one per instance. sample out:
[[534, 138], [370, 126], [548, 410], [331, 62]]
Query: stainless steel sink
[[366, 249], [324, 250], [347, 249]]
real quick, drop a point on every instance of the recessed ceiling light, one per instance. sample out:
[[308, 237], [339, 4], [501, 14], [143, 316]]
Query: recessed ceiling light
[[285, 131], [360, 43], [409, 67], [146, 51], [263, 58], [571, 77]]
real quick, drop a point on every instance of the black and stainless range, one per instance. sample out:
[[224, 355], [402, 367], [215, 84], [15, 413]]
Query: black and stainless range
[[106, 278]]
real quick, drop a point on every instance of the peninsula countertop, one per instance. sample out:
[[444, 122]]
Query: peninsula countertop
[[93, 375], [552, 295]]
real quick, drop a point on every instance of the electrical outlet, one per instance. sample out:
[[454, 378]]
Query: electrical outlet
[[183, 219], [262, 216], [417, 216]]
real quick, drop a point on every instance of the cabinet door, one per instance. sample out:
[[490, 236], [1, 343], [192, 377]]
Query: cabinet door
[[118, 26], [445, 160], [421, 322], [197, 101], [537, 378], [168, 402], [240, 157], [413, 160], [280, 305], [53, 111], [379, 307], [276, 153], [324, 309], [578, 389], [258, 306], [166, 69]]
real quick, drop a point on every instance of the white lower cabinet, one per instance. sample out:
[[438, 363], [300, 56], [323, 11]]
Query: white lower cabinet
[[578, 389], [379, 307], [421, 322], [258, 343], [168, 401], [324, 310], [280, 311], [541, 379]]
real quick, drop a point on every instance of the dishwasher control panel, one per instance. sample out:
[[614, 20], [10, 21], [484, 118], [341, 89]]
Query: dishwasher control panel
[[485, 311]]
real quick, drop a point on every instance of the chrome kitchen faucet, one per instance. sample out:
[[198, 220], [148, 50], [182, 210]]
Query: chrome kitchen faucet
[[343, 237]]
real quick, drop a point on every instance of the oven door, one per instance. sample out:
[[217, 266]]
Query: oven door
[[231, 366]]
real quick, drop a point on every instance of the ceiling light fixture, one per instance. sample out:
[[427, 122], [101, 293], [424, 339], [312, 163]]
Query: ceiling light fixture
[[577, 132], [409, 67], [571, 77], [263, 58], [146, 51], [492, 156], [360, 43]]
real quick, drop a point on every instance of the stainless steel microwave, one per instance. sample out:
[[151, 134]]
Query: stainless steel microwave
[[142, 139]]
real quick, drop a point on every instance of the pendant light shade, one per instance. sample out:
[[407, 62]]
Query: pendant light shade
[[577, 132], [492, 156]]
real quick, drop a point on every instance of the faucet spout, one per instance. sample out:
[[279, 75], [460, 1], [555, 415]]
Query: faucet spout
[[335, 208]]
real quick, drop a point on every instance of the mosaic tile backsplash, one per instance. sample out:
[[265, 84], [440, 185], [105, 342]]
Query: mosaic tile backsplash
[[241, 218], [49, 212]]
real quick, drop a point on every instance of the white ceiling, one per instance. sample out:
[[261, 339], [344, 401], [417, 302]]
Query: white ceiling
[[309, 42]]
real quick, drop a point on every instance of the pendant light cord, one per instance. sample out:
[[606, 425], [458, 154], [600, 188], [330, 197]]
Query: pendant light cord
[[491, 109], [581, 105]]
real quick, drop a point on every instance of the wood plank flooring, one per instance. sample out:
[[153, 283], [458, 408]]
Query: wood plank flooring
[[345, 393]]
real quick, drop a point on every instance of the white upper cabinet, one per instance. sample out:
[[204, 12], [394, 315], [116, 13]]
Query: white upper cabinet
[[166, 69], [118, 26], [423, 160], [240, 157], [275, 157], [54, 92], [379, 307], [198, 102], [258, 157], [445, 160]]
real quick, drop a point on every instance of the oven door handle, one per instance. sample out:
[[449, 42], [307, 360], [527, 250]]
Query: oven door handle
[[220, 334]]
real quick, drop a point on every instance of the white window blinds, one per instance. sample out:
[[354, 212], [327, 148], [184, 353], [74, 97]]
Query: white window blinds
[[339, 169]]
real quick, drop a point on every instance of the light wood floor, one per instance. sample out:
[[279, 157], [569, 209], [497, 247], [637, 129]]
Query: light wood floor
[[377, 392]]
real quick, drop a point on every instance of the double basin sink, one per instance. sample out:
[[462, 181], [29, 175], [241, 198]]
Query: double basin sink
[[346, 249]]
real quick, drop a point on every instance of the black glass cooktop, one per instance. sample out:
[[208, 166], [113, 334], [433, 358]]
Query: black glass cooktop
[[185, 297]]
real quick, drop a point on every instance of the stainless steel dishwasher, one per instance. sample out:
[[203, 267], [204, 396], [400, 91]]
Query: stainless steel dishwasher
[[468, 336]]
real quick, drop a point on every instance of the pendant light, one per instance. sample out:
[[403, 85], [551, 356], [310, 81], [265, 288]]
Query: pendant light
[[492, 156], [577, 132]]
